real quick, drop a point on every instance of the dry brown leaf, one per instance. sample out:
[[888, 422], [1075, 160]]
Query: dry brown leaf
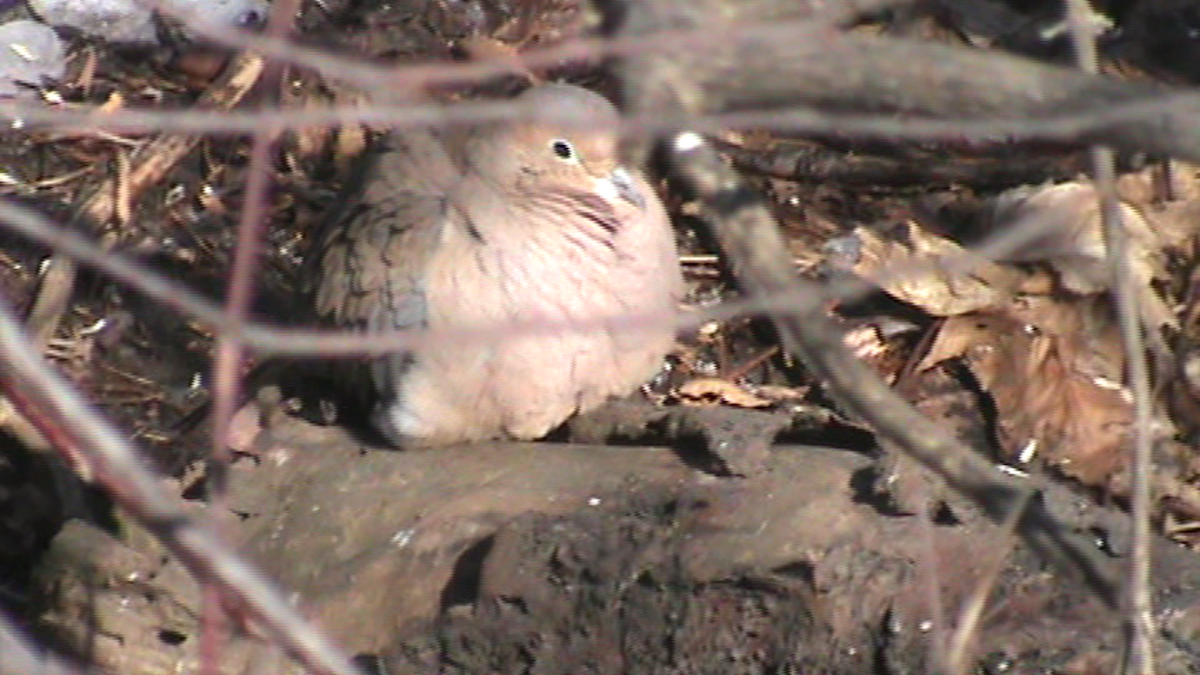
[[1071, 241], [932, 272], [122, 199], [87, 72], [113, 103], [869, 343], [779, 394], [705, 391], [1160, 183], [1053, 369]]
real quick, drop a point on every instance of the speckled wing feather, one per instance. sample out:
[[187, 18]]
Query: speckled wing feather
[[379, 242]]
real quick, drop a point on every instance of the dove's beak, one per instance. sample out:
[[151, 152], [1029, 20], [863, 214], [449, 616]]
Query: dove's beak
[[619, 184]]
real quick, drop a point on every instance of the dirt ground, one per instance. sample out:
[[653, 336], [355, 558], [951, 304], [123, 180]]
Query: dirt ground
[[565, 558], [731, 518]]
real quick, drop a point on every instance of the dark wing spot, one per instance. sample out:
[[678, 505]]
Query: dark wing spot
[[604, 221], [472, 228], [585, 213], [594, 209]]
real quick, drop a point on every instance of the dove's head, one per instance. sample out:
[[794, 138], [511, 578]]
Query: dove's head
[[566, 140]]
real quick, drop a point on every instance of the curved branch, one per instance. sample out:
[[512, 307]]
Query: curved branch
[[65, 418], [754, 245]]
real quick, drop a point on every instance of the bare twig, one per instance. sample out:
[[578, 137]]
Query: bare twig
[[958, 648], [943, 92], [416, 77], [158, 157], [67, 421], [55, 283], [270, 340], [230, 348], [1147, 119], [1139, 619], [757, 254]]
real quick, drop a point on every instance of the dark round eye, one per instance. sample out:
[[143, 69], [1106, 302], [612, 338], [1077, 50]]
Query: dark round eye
[[249, 19], [562, 149]]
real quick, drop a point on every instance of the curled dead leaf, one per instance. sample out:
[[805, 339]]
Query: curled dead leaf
[[779, 394], [1053, 369], [707, 391], [1066, 232], [932, 272], [873, 343]]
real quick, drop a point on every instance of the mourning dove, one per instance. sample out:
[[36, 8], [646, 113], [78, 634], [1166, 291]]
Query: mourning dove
[[494, 226]]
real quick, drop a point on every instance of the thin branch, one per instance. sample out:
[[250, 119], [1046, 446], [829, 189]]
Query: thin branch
[[414, 78], [64, 418], [757, 254], [301, 342], [1148, 121], [229, 348], [966, 628], [1139, 618], [789, 76]]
